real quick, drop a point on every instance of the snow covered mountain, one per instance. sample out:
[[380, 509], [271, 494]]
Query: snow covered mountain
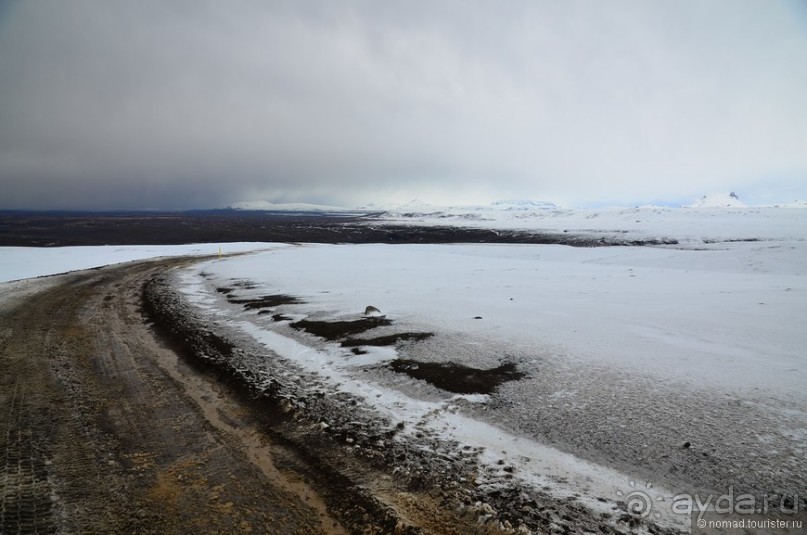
[[719, 200]]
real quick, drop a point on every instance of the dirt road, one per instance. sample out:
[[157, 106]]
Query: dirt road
[[104, 430]]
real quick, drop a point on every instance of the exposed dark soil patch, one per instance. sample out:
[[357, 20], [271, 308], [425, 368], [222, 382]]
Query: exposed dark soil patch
[[456, 377], [737, 240], [388, 340], [280, 317], [246, 285], [224, 291], [265, 301], [334, 330]]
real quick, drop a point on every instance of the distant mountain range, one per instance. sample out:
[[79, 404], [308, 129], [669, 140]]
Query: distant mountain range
[[266, 206], [514, 206], [523, 205], [414, 205], [418, 206]]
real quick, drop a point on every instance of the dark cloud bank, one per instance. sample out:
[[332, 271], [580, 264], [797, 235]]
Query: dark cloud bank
[[113, 104]]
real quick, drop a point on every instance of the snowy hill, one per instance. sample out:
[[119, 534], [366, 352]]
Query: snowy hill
[[523, 205], [719, 200], [416, 206], [713, 218], [286, 207], [494, 210]]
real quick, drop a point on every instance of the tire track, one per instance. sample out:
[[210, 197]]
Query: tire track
[[26, 506]]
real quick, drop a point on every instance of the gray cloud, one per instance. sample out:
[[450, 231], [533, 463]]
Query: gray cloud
[[108, 104]]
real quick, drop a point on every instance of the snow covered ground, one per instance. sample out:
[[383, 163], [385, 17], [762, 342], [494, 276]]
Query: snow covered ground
[[732, 310], [26, 262], [677, 366], [687, 225], [681, 366]]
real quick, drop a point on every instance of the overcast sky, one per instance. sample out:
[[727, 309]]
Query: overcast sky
[[185, 104]]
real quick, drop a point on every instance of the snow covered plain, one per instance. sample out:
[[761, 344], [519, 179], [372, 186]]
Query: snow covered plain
[[665, 369], [25, 262], [692, 225], [629, 353]]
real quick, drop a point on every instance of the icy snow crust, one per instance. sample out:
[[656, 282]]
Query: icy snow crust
[[683, 368]]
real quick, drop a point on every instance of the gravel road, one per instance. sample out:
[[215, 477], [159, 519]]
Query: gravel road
[[104, 430], [110, 425]]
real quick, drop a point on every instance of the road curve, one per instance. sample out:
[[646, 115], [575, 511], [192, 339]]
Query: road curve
[[105, 430]]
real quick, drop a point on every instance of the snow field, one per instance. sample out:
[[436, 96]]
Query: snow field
[[726, 317], [628, 352], [25, 262], [690, 226]]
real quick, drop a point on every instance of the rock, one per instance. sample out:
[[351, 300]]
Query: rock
[[372, 312], [487, 509], [482, 519]]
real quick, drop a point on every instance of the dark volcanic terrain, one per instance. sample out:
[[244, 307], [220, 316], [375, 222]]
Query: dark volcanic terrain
[[59, 229]]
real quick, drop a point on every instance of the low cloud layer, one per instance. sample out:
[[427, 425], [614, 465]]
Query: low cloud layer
[[118, 104]]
